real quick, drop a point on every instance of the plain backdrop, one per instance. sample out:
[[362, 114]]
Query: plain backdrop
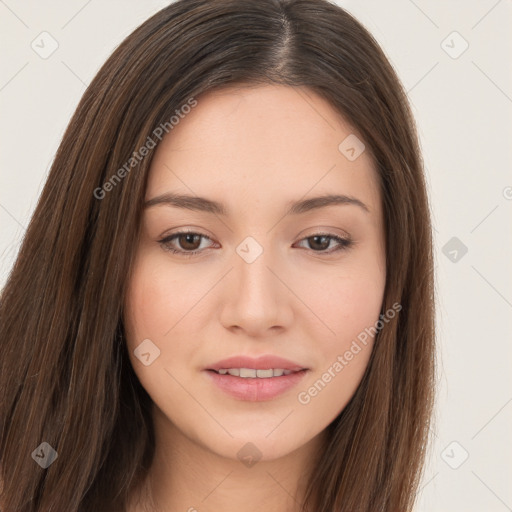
[[454, 60]]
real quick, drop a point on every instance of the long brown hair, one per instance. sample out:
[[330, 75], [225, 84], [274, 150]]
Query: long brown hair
[[65, 376]]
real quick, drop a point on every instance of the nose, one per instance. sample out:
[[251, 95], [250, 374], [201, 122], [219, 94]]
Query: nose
[[255, 298]]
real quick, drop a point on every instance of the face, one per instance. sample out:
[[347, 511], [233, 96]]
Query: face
[[261, 272]]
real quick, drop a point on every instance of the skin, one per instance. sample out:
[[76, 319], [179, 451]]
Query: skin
[[255, 149]]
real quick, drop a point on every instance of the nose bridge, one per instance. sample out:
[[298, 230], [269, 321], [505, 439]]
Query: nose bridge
[[258, 300], [256, 284]]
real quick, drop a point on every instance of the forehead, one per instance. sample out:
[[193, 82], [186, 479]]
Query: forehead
[[272, 141]]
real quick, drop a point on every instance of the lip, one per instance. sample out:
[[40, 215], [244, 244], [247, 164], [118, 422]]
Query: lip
[[260, 363], [256, 389]]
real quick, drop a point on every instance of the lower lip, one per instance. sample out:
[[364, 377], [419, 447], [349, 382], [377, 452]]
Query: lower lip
[[256, 389]]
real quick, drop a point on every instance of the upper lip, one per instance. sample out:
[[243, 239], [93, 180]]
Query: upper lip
[[259, 363]]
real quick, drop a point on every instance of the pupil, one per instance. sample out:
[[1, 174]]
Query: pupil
[[189, 239], [322, 245]]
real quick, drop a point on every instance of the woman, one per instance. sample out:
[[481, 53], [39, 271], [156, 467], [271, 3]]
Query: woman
[[225, 299]]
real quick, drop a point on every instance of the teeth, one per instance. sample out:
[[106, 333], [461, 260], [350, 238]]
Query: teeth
[[251, 373], [247, 372], [265, 373]]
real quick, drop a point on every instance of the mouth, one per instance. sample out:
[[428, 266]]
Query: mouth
[[253, 373], [255, 379], [256, 367], [255, 384]]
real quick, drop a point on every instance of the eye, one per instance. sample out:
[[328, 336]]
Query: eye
[[187, 240], [320, 242], [189, 243]]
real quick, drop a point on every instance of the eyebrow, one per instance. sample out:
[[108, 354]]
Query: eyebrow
[[202, 204]]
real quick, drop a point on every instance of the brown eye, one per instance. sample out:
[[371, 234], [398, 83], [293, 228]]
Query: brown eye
[[189, 241], [321, 243], [184, 243]]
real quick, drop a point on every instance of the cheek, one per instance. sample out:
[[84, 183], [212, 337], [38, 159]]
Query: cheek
[[152, 308], [351, 309], [165, 305], [160, 300], [348, 304], [345, 302], [157, 309], [145, 308]]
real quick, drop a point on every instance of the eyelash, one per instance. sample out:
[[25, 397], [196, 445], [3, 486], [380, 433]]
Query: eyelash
[[344, 243]]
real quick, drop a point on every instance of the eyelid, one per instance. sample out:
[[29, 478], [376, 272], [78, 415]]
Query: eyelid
[[344, 242], [167, 239]]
